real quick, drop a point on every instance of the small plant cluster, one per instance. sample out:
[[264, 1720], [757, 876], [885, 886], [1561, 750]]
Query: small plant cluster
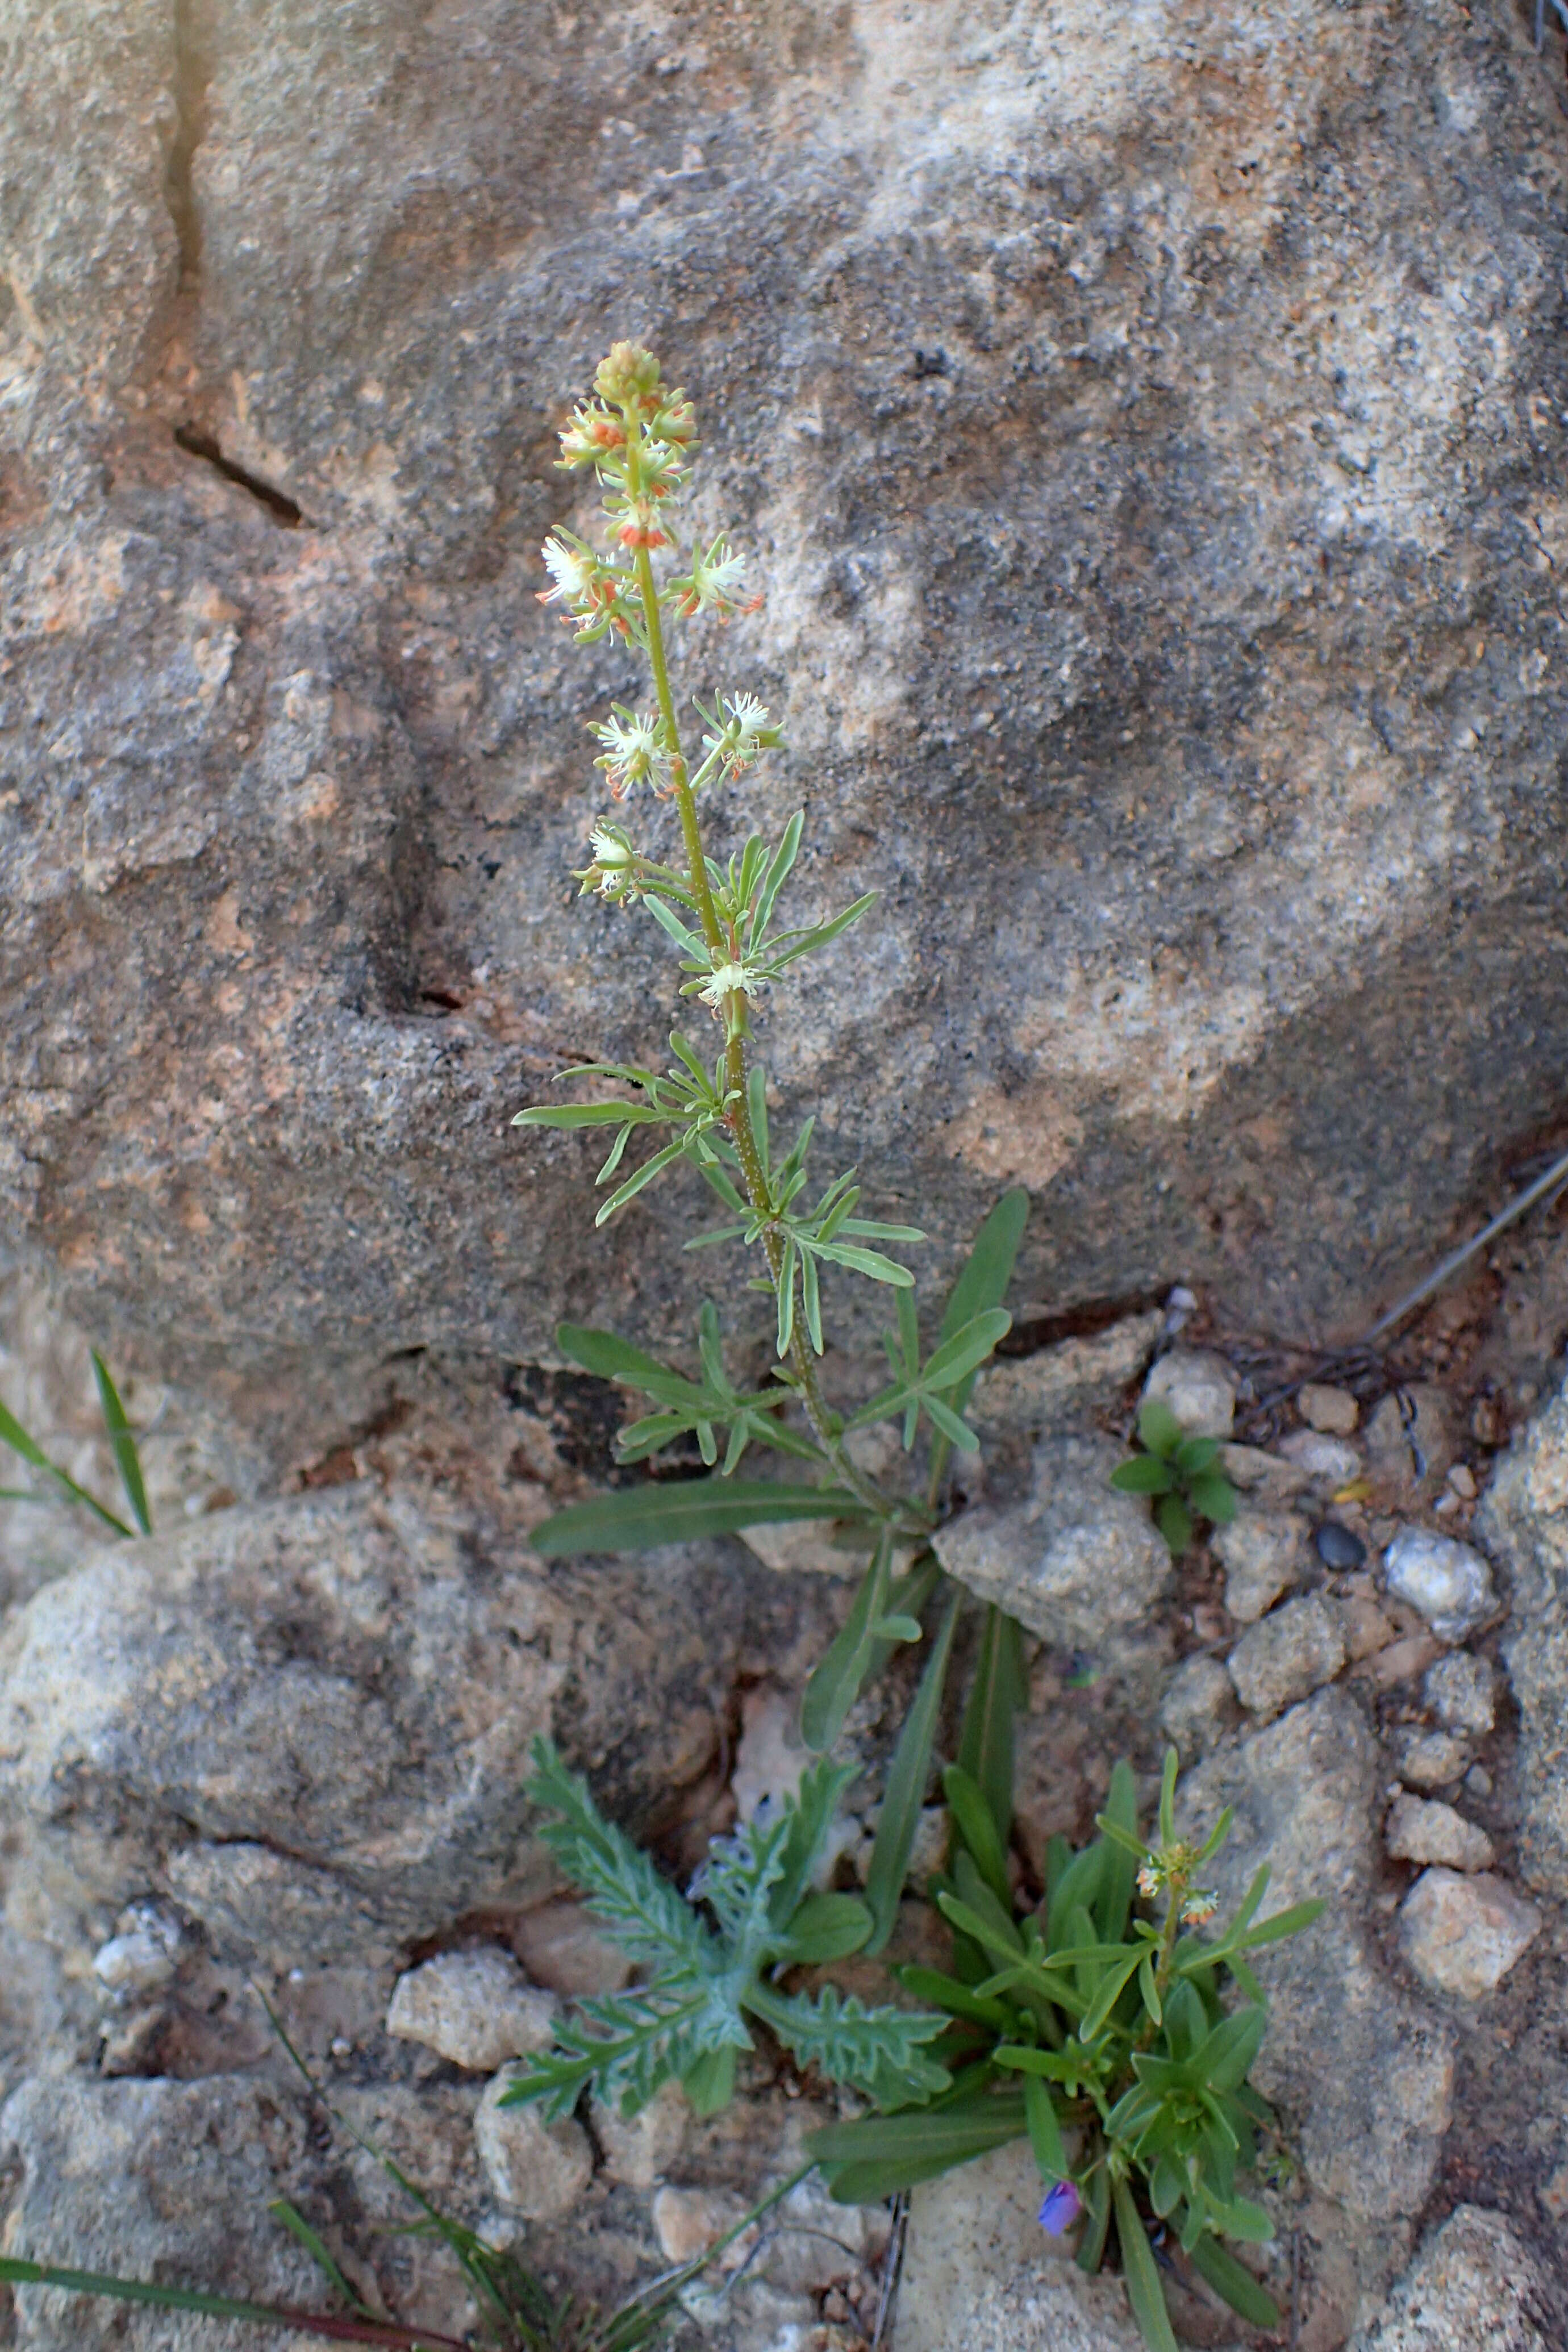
[[1102, 2036], [1180, 1473]]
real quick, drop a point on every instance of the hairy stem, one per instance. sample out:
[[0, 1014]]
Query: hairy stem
[[801, 1363]]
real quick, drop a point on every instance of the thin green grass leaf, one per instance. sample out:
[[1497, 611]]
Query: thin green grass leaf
[[905, 1793], [122, 1442]]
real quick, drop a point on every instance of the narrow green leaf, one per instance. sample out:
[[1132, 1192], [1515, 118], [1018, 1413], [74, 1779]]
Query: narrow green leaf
[[957, 1432], [290, 2217], [344, 2330], [945, 1992], [868, 1262], [950, 2135], [1108, 1994], [1092, 2245], [967, 1349], [1142, 2275], [997, 1696], [835, 1680], [1045, 2131], [1238, 2286], [976, 1825], [779, 866], [1282, 1923], [811, 1299], [801, 943], [122, 1441], [645, 1175], [683, 1510], [13, 1434], [599, 1114], [982, 1279], [909, 1337], [687, 942], [1123, 1854], [757, 1109]]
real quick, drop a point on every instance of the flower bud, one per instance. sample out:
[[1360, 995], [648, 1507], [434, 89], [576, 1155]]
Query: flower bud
[[1061, 2208], [629, 377]]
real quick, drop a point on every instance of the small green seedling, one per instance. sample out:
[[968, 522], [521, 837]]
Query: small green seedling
[[1180, 1472], [1101, 2035], [62, 1487]]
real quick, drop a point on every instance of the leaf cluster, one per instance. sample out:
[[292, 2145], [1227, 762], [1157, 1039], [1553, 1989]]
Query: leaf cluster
[[1100, 2034], [1180, 1472], [713, 1963]]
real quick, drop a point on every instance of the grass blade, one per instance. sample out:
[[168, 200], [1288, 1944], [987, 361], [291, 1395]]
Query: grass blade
[[1141, 2275], [997, 1696], [906, 1786], [835, 1680], [222, 2306], [13, 1434], [122, 1441]]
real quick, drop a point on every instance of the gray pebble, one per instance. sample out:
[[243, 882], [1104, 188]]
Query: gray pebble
[[1448, 1583], [1339, 1548]]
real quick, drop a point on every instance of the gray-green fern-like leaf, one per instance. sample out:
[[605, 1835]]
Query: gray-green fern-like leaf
[[879, 2051], [644, 1913]]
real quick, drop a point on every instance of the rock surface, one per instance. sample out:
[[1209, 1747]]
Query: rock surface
[[1199, 1389], [1287, 1657], [1371, 2124], [1263, 1554], [1077, 1562], [1416, 1831], [1124, 430], [1523, 1522], [536, 2169], [1473, 2287], [1461, 1936]]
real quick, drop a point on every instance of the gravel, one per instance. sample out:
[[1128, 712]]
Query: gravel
[[1447, 1582]]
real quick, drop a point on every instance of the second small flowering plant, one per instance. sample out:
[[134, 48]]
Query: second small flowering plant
[[1101, 2036]]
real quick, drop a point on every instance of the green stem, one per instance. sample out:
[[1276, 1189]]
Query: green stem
[[808, 1387]]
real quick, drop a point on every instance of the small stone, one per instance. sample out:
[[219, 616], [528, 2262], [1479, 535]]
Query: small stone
[[1430, 1759], [1479, 1781], [1196, 1705], [1460, 1690], [1339, 1547], [1420, 1830], [142, 1955], [1264, 1554], [1199, 1388], [640, 2150], [1365, 1628], [1332, 1411], [1056, 1385], [686, 2221], [1447, 1582], [536, 2169], [1461, 1936], [1326, 1461], [475, 2008], [1403, 1661], [1462, 1479], [1410, 1440], [1288, 1656], [561, 1949]]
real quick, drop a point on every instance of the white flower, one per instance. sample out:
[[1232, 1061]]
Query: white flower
[[572, 570], [728, 980], [632, 749], [613, 852], [712, 580], [745, 731]]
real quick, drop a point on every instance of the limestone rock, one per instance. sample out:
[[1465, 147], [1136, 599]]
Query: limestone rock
[[1473, 2287], [1417, 1830], [153, 2179], [474, 2008], [1371, 2126], [536, 2169], [1288, 1656], [1199, 1387], [1461, 1936], [1077, 1562], [1325, 1462], [1263, 1553], [1204, 430], [561, 1949], [1448, 1583]]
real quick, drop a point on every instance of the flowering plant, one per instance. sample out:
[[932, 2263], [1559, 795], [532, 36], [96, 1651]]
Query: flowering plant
[[1101, 2036], [709, 1112]]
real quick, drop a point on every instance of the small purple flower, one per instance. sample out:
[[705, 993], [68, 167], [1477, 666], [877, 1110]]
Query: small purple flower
[[1061, 2209]]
